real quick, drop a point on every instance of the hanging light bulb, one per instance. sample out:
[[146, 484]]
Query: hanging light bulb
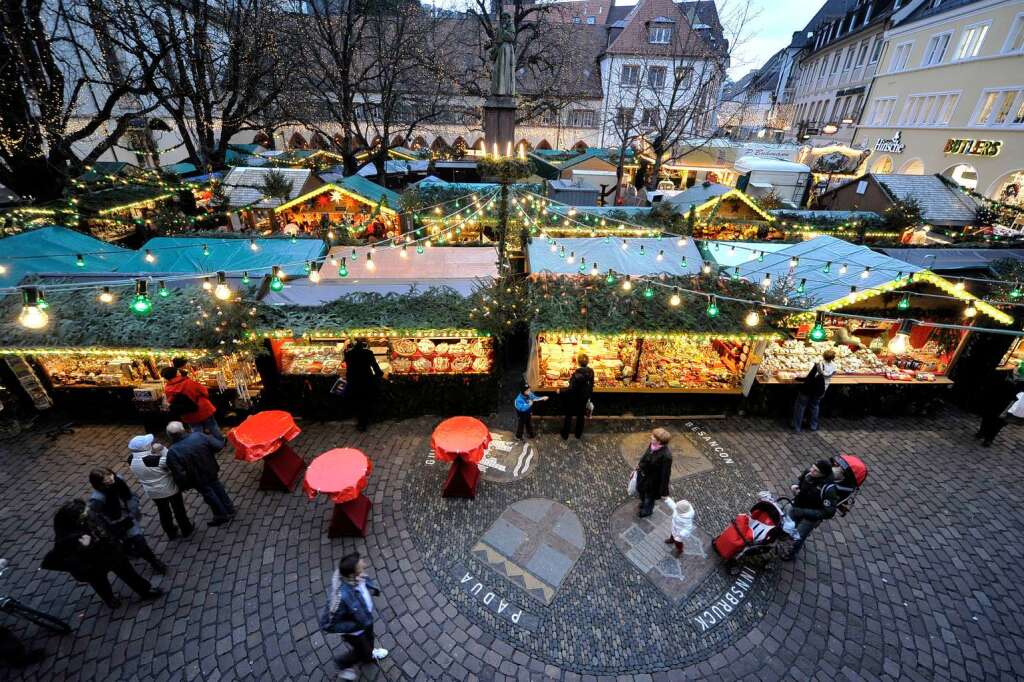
[[899, 343], [661, 255], [306, 267], [3, 269], [314, 275], [149, 257], [683, 264], [275, 279], [642, 250], [732, 249], [648, 292], [681, 242], [766, 281], [736, 274], [583, 265], [42, 302], [32, 316], [593, 269], [853, 294], [625, 245], [970, 311], [843, 269], [419, 248], [1015, 292], [554, 247], [960, 285], [207, 284], [206, 250], [828, 267], [802, 287], [610, 279], [793, 262], [760, 256], [80, 261], [712, 309], [904, 302], [141, 304], [162, 291], [294, 239], [706, 268], [333, 260], [752, 319], [222, 291], [106, 296], [818, 332], [370, 265], [866, 272], [253, 245], [330, 235], [404, 253], [627, 285], [571, 258], [675, 299], [343, 268]]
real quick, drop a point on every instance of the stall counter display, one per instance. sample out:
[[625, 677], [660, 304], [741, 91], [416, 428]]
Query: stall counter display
[[399, 356], [1014, 356], [791, 360], [693, 363], [613, 359]]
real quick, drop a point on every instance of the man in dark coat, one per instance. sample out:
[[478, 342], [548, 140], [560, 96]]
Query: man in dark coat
[[654, 472], [363, 376], [581, 388], [1001, 390], [86, 547], [814, 500], [192, 460]]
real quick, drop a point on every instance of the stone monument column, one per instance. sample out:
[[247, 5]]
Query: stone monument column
[[500, 106]]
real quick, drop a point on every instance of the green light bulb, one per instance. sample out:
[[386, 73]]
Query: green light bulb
[[141, 305], [245, 278], [276, 284], [1015, 292], [41, 303], [904, 303], [712, 309], [163, 291], [80, 261], [419, 248], [648, 293], [610, 279], [818, 333], [343, 270]]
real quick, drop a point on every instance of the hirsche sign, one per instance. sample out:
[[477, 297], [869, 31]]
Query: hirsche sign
[[893, 145], [973, 147]]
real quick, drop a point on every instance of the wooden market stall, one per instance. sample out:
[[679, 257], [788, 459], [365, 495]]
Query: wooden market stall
[[353, 207]]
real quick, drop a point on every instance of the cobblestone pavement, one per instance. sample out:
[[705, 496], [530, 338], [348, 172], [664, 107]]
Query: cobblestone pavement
[[920, 582]]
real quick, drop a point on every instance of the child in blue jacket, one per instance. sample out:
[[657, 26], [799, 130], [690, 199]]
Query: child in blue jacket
[[524, 408]]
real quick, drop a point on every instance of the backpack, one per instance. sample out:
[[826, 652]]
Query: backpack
[[181, 404]]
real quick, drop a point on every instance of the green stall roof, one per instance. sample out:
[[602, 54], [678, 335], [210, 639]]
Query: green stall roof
[[54, 250], [185, 255]]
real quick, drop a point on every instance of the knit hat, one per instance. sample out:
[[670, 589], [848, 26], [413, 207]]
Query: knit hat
[[824, 466], [140, 443]]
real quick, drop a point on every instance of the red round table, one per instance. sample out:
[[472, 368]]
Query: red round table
[[463, 442], [264, 436], [342, 474]]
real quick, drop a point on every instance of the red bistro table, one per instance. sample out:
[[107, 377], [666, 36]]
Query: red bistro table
[[463, 442], [341, 474], [264, 436]]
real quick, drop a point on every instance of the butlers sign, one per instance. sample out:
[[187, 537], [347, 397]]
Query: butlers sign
[[973, 147]]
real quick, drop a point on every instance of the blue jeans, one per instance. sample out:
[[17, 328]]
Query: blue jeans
[[803, 402], [209, 426], [217, 498]]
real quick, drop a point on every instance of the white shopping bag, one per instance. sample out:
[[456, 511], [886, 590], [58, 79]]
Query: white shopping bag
[[631, 486], [1017, 409]]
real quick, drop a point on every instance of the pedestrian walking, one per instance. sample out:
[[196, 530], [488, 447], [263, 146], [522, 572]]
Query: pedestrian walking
[[1000, 392], [114, 500], [88, 549], [577, 396], [192, 459], [683, 515], [362, 376], [812, 390], [654, 471], [149, 464], [190, 402], [524, 411], [350, 613], [814, 500]]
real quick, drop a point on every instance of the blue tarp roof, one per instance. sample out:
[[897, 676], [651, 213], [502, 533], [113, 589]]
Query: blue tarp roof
[[602, 210], [610, 254], [185, 254], [729, 254], [954, 259], [53, 250], [821, 287]]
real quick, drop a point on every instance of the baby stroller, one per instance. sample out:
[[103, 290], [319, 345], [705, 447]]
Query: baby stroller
[[853, 474], [750, 535]]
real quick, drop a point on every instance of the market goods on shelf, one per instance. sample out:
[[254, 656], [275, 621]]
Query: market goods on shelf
[[611, 358], [133, 369], [692, 363], [793, 359], [394, 355], [297, 358]]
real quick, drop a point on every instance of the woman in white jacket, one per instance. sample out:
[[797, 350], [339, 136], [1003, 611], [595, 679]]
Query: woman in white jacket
[[682, 523], [149, 464]]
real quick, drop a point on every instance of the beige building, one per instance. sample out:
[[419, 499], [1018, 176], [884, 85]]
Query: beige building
[[949, 96]]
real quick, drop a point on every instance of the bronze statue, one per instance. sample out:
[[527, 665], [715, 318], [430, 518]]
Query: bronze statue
[[503, 58]]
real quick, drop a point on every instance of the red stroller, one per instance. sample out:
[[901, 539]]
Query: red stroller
[[750, 534], [854, 473]]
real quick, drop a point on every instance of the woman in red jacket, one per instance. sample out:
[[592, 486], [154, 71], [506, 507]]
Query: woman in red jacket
[[190, 402]]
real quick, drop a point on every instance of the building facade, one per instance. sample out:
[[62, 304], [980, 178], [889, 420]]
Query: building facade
[[949, 96]]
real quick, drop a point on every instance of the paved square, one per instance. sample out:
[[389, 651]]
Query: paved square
[[687, 459]]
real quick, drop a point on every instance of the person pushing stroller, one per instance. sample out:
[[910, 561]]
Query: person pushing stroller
[[815, 498]]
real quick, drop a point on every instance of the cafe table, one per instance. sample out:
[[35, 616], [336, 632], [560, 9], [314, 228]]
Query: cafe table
[[463, 442], [342, 474], [264, 436]]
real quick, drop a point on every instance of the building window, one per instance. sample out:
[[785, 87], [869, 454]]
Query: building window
[[881, 111], [656, 76], [581, 118], [591, 20], [660, 35], [835, 62], [1001, 109], [877, 51], [935, 51], [849, 58], [624, 118], [862, 54], [650, 119], [549, 118], [630, 74], [575, 20], [684, 76], [970, 42], [1015, 41], [929, 110], [900, 57]]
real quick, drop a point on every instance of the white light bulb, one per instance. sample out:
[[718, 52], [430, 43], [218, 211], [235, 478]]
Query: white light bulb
[[32, 317], [675, 300], [971, 310], [752, 319], [222, 291], [681, 242], [553, 248], [626, 285], [898, 344], [3, 269], [314, 276], [106, 297], [150, 258], [843, 269], [571, 258], [370, 265]]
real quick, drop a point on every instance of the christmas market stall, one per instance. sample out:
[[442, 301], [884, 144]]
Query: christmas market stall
[[635, 313], [351, 208], [890, 323], [99, 356], [416, 311]]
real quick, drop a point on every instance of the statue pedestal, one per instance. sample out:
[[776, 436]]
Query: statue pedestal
[[500, 123]]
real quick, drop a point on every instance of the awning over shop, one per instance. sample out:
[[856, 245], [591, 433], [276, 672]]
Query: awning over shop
[[185, 255], [609, 254], [55, 250]]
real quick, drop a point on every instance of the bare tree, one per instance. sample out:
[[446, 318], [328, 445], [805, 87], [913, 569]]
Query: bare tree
[[64, 97]]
